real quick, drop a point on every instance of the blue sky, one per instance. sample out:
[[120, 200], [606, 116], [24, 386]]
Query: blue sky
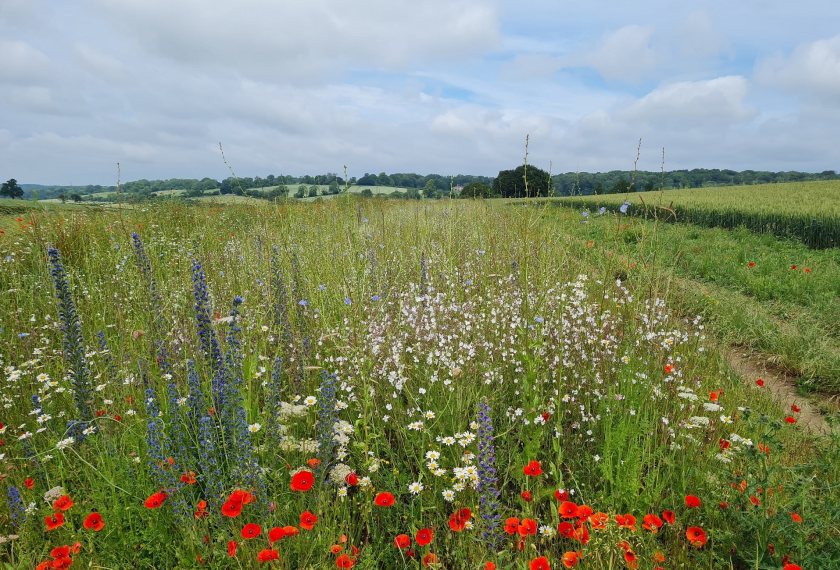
[[445, 86]]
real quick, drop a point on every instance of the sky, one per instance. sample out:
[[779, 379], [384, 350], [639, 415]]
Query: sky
[[433, 86]]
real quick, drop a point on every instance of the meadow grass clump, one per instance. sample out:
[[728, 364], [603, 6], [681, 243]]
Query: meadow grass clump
[[379, 385]]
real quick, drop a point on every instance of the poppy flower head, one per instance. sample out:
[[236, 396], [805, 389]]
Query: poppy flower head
[[540, 563], [94, 522], [796, 517], [188, 478], [308, 520], [570, 559], [352, 479], [251, 530], [511, 525], [652, 523], [302, 481], [696, 536], [668, 516], [345, 561], [599, 520], [533, 469], [424, 536], [790, 420], [155, 500], [384, 499], [568, 510], [232, 546], [429, 559], [626, 521], [760, 383], [63, 503], [29, 483], [561, 495], [402, 541], [267, 554], [54, 521], [692, 502], [526, 496], [751, 264]]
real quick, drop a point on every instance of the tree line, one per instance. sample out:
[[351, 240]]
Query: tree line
[[508, 184]]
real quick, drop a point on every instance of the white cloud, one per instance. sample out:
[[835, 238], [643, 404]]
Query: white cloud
[[812, 69], [271, 39], [624, 55], [718, 101], [20, 62]]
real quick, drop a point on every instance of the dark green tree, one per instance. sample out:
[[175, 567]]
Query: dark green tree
[[476, 190], [11, 189], [512, 183], [430, 190]]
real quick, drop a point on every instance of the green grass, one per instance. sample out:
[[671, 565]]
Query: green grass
[[809, 211], [423, 311]]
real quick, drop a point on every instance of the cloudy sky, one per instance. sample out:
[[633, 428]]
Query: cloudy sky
[[445, 86]]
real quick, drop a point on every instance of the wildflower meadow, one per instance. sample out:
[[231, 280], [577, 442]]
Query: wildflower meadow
[[368, 384]]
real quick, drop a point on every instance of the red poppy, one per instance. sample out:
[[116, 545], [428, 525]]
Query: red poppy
[[696, 536], [402, 541], [599, 521], [54, 521], [251, 530], [307, 520], [29, 483], [424, 536], [526, 496], [188, 478], [566, 529], [751, 264], [201, 510], [630, 559], [583, 512], [489, 566], [63, 503], [429, 559], [692, 502], [790, 420], [540, 563], [668, 516], [652, 523], [561, 495], [795, 409], [458, 519], [241, 496], [384, 499], [352, 479], [314, 462], [276, 534], [267, 554], [526, 527], [232, 546], [156, 500], [791, 566], [289, 530], [336, 548], [511, 525], [669, 368], [795, 517], [345, 561], [302, 481], [724, 444], [626, 521], [94, 522], [570, 559], [568, 510], [759, 383], [231, 509], [533, 469], [794, 267]]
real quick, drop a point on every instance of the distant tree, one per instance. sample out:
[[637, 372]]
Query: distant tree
[[313, 191], [63, 198], [620, 186], [75, 197], [413, 193], [301, 191], [11, 189], [512, 183], [430, 190], [334, 187], [367, 193], [476, 190], [367, 180]]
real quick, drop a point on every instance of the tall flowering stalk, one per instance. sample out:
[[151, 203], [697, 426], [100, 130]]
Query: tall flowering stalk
[[210, 468], [161, 351], [326, 420], [272, 404], [74, 349], [488, 483], [206, 334], [17, 512]]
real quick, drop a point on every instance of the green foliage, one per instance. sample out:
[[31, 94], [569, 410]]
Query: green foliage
[[522, 182], [11, 189], [476, 190]]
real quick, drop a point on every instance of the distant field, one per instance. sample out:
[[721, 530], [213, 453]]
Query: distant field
[[809, 211]]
